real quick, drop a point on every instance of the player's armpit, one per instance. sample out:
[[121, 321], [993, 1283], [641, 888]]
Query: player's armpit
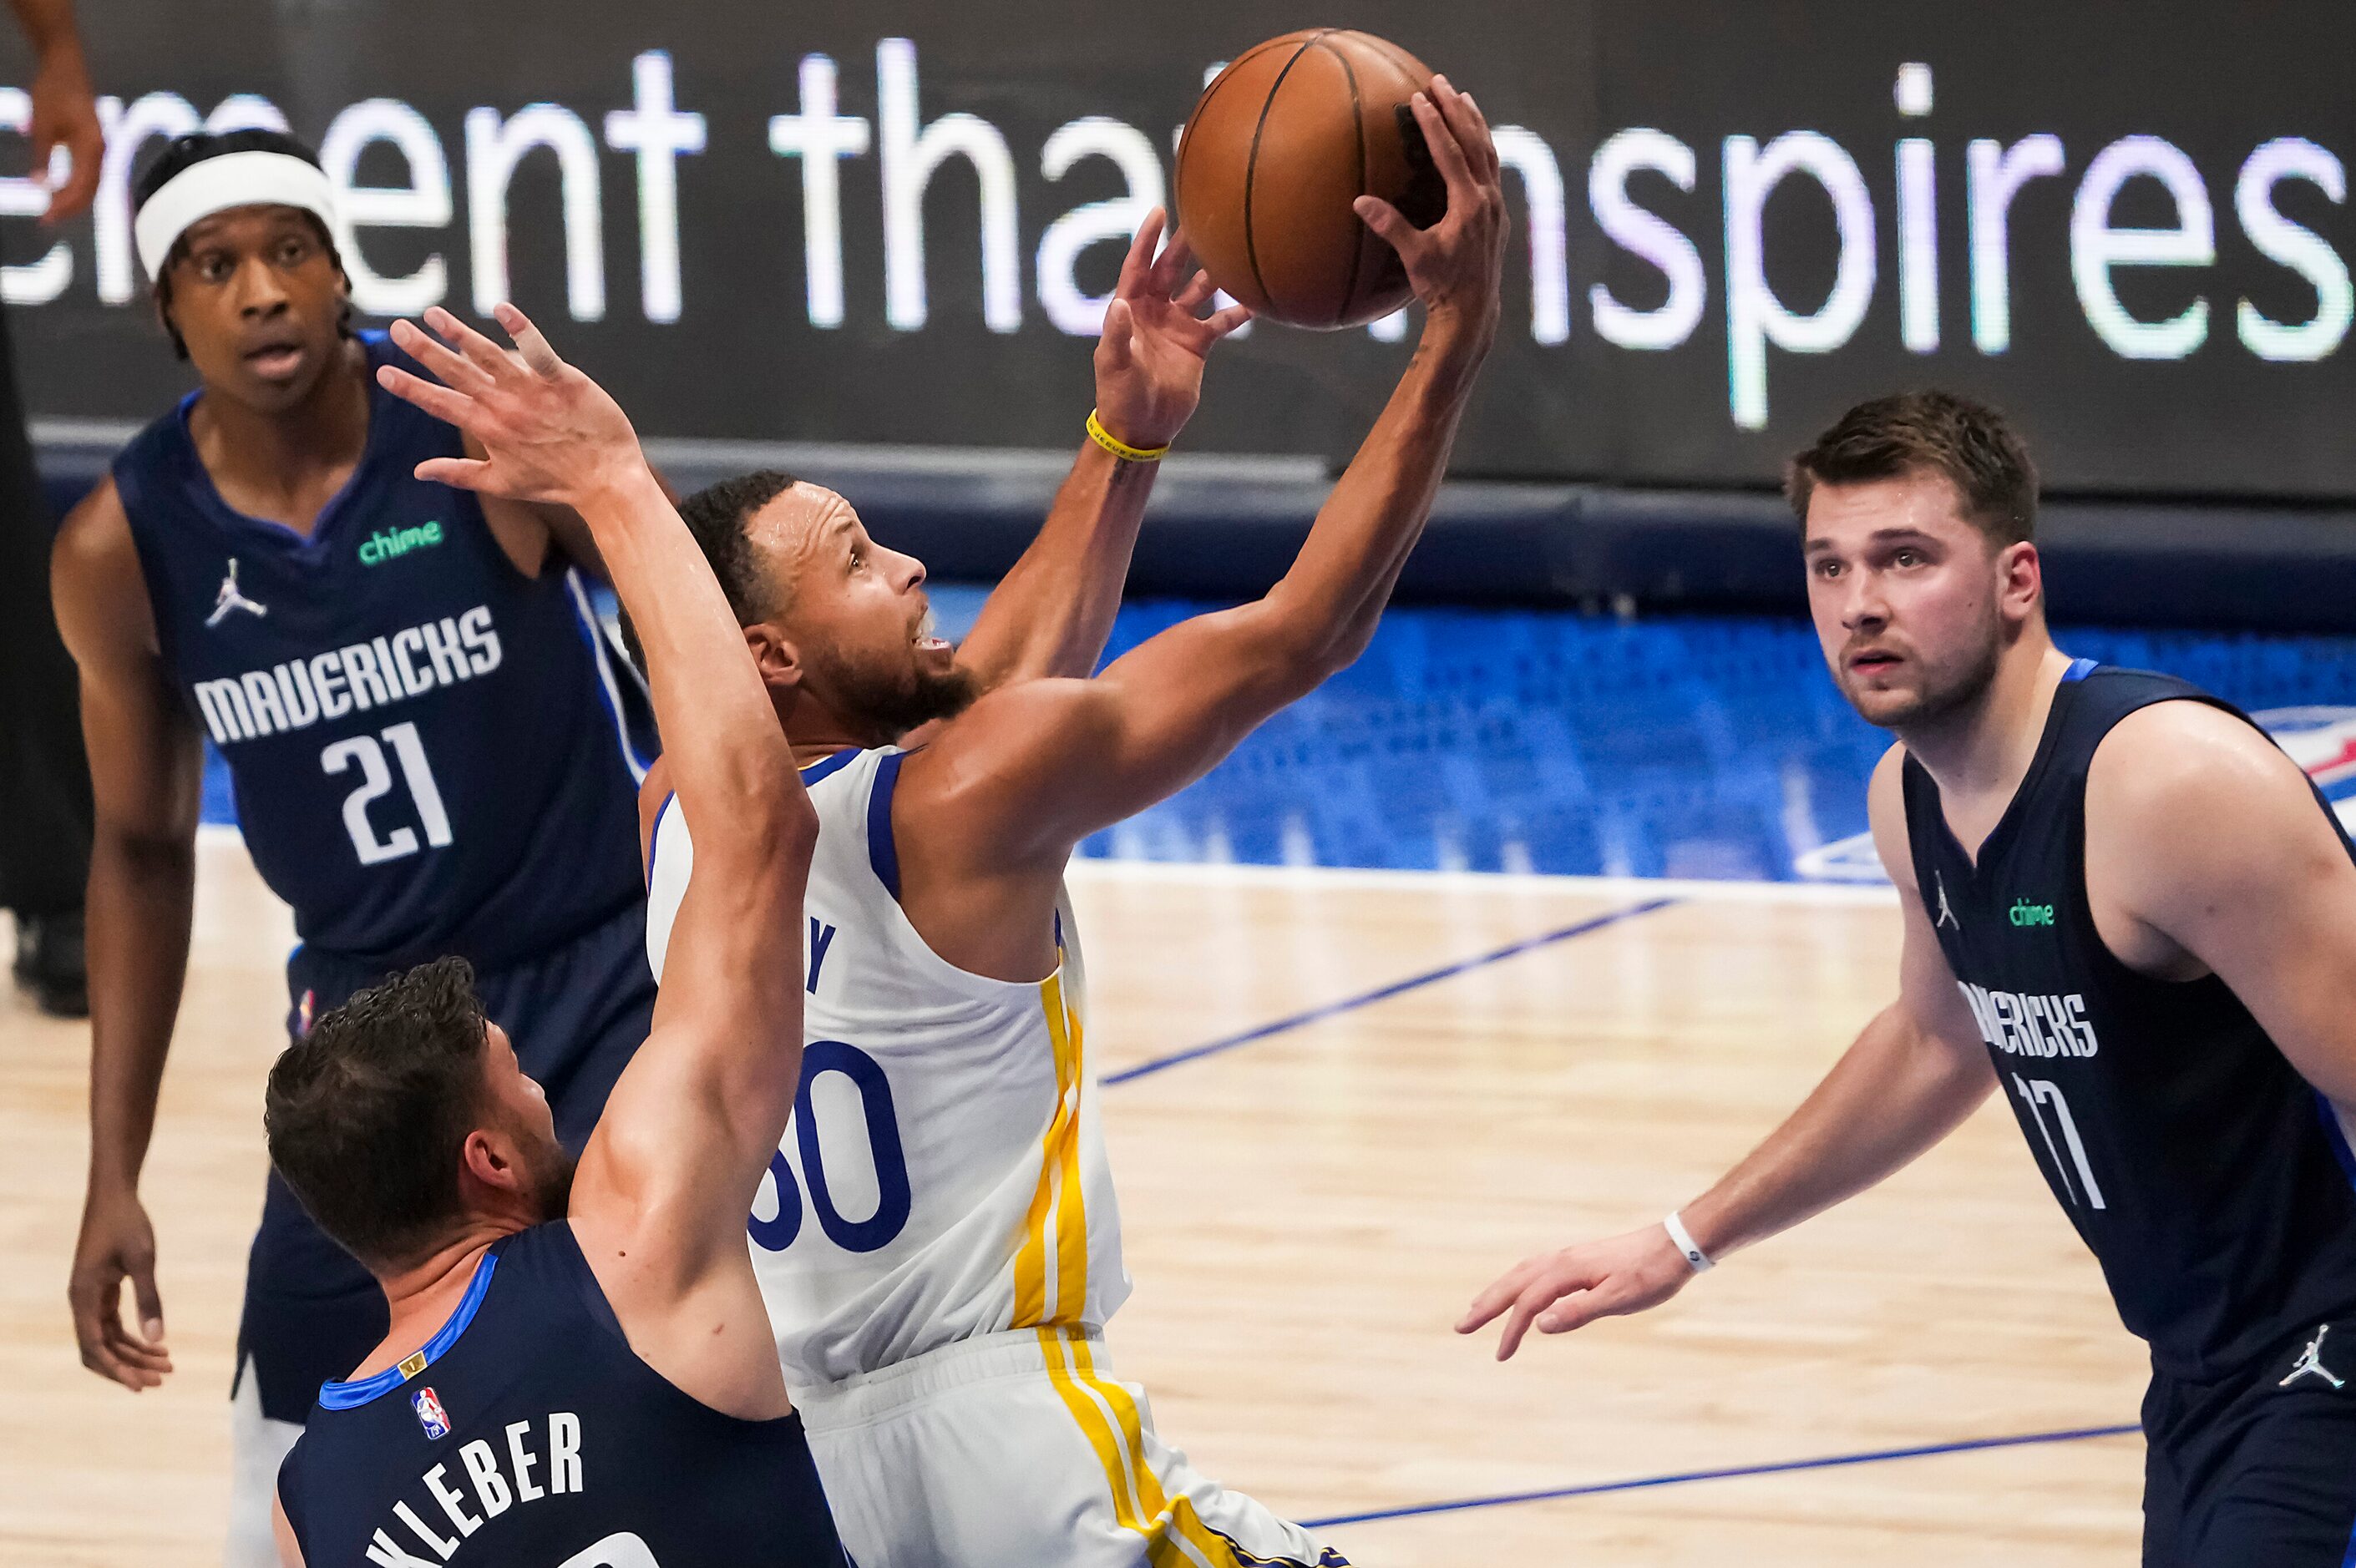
[[2208, 850], [652, 794]]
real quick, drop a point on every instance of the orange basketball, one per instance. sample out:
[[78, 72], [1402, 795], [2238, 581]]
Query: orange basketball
[[1279, 145]]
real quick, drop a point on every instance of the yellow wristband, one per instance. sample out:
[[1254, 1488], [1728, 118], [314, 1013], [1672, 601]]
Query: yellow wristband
[[1119, 448]]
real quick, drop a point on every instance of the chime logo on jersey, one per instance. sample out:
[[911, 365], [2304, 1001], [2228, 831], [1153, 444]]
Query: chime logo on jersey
[[387, 544], [430, 1414]]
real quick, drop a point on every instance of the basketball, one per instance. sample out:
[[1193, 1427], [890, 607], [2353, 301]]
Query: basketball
[[1279, 146]]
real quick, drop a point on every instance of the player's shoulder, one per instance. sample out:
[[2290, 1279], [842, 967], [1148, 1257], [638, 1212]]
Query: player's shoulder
[[96, 583], [2190, 809], [2186, 766], [1015, 728], [1885, 804], [99, 525]]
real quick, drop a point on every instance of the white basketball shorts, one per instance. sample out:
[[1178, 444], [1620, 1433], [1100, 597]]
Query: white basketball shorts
[[1019, 1450]]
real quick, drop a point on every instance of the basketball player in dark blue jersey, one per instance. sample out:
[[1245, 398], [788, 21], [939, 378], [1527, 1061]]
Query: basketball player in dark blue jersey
[[579, 1370], [2127, 912], [415, 713]]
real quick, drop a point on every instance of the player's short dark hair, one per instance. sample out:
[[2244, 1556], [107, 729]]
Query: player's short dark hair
[[718, 515], [368, 1114], [183, 152], [1972, 445]]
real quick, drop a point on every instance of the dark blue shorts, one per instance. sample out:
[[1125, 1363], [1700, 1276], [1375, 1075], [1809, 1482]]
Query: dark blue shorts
[[2255, 1471], [576, 1016]]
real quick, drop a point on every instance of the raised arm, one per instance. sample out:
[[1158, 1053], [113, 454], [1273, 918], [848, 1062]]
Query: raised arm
[[663, 1191], [1063, 758], [1051, 614], [1913, 1076], [146, 765]]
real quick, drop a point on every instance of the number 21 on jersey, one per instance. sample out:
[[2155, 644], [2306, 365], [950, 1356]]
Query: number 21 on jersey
[[376, 780]]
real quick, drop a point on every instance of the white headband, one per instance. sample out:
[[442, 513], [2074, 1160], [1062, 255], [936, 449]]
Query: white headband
[[215, 185]]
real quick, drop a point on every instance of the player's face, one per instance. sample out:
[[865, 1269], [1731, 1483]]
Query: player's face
[[1907, 597], [519, 1111], [258, 300], [859, 619]]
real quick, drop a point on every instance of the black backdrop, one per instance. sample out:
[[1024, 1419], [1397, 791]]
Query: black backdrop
[[2257, 399]]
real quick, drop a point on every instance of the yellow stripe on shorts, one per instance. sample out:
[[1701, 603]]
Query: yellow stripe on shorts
[[1109, 1417], [1057, 1224]]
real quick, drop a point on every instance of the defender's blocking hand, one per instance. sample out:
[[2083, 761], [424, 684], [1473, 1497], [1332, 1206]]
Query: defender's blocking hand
[[551, 434]]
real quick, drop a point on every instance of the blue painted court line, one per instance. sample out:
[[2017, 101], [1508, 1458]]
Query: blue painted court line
[[1383, 993], [1835, 1461]]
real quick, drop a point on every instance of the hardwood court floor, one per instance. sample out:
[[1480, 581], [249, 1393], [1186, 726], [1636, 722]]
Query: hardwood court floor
[[1305, 1215]]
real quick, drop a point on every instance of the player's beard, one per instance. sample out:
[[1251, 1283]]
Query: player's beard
[[551, 1178], [888, 703], [1945, 691]]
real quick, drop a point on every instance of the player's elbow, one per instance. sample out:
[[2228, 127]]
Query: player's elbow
[[1349, 641], [142, 853], [1299, 654]]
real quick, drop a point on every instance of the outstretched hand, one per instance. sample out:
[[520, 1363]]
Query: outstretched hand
[[1149, 357], [550, 433], [1456, 265], [1561, 1291]]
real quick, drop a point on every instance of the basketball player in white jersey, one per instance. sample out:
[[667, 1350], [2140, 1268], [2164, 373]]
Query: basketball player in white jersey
[[940, 1247]]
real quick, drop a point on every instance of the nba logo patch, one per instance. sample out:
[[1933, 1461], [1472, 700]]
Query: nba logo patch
[[430, 1414]]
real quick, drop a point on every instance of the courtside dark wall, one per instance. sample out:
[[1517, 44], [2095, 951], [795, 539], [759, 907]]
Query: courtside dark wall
[[2127, 224]]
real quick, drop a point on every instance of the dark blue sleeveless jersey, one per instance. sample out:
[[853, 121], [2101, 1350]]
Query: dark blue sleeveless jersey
[[2209, 1179], [527, 1433], [423, 740]]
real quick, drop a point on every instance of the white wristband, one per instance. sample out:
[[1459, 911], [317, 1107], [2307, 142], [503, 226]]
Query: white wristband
[[1698, 1260]]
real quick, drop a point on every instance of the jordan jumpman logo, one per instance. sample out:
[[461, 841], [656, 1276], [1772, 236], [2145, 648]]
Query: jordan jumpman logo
[[231, 599], [2310, 1362]]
